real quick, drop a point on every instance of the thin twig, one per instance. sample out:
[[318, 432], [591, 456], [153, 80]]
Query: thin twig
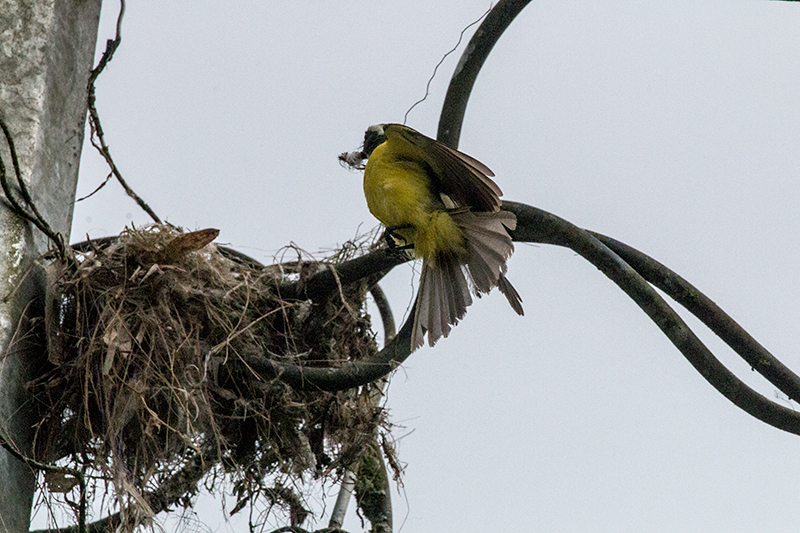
[[97, 136], [34, 217], [111, 46], [36, 465], [97, 189], [439, 64]]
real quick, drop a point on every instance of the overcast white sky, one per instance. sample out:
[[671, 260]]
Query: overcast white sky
[[673, 126]]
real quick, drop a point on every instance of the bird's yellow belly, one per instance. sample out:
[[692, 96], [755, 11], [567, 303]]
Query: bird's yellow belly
[[398, 194]]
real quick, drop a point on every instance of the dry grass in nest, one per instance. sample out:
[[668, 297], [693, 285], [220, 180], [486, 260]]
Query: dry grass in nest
[[147, 340]]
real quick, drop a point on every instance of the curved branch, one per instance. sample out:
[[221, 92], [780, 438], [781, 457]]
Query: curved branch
[[325, 283], [485, 37], [385, 310], [347, 376], [709, 314], [535, 225]]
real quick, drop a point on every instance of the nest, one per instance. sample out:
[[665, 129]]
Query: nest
[[147, 381]]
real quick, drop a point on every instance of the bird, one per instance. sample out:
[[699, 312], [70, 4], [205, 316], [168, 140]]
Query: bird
[[443, 207]]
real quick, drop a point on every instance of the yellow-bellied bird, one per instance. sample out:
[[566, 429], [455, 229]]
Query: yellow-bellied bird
[[442, 203]]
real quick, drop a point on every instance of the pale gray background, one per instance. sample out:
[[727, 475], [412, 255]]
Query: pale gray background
[[672, 126]]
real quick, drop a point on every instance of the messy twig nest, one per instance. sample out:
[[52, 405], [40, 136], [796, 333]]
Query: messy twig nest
[[148, 340]]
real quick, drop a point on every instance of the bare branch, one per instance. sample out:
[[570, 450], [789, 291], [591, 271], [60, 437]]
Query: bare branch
[[28, 212], [536, 225], [711, 315], [94, 118], [485, 37], [165, 496], [9, 446]]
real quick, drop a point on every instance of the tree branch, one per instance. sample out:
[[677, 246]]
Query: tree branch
[[475, 54], [94, 118], [9, 446], [535, 225], [709, 314]]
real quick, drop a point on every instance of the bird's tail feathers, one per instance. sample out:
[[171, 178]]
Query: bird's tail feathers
[[511, 294], [488, 247], [444, 287], [442, 300]]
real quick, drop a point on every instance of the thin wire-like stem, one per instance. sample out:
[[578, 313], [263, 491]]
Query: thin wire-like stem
[[97, 136], [29, 211], [475, 54], [439, 64]]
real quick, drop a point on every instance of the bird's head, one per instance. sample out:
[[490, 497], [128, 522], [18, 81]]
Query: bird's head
[[373, 138]]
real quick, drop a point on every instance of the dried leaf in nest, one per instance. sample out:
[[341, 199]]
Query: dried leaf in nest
[[181, 245], [59, 481]]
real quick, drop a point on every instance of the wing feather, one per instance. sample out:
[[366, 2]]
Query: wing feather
[[461, 177]]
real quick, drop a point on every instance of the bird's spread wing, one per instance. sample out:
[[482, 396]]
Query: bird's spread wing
[[464, 179]]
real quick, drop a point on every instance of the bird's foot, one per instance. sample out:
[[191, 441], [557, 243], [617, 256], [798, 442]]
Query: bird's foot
[[393, 238]]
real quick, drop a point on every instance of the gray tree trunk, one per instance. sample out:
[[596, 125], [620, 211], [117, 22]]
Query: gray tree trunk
[[46, 53]]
